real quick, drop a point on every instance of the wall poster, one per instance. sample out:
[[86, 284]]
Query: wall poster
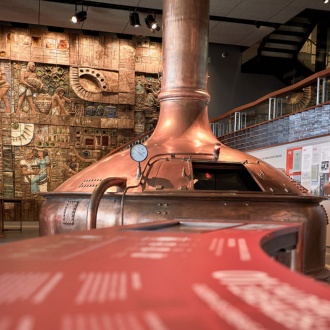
[[307, 162], [293, 162]]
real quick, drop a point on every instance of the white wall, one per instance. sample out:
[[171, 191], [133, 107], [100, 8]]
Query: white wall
[[276, 156], [228, 86]]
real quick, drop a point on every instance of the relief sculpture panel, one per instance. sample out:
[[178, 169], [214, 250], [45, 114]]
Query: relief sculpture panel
[[66, 100]]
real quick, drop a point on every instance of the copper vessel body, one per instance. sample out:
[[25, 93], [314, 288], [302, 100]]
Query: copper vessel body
[[181, 146]]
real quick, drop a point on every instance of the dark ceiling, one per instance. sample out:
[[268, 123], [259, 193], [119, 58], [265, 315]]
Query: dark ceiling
[[232, 22]]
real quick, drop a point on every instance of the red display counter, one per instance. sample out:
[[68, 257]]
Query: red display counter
[[173, 275]]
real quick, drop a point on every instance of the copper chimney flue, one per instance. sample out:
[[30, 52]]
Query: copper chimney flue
[[187, 174], [184, 97]]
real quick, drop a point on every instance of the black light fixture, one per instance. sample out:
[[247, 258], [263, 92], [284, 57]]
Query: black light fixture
[[134, 19], [79, 16], [151, 23], [326, 1]]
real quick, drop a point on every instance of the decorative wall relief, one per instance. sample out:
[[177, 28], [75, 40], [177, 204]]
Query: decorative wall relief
[[67, 100], [152, 87], [28, 84], [94, 85], [35, 170], [53, 76], [148, 56], [43, 103], [5, 105], [152, 116], [21, 133], [147, 89], [298, 100], [140, 121], [93, 79], [109, 111], [36, 88]]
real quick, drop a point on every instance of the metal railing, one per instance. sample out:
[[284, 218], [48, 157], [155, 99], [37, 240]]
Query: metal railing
[[304, 95]]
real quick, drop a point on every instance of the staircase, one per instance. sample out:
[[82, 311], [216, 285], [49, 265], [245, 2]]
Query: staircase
[[277, 54]]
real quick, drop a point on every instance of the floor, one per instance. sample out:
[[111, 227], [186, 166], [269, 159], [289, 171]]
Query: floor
[[30, 229]]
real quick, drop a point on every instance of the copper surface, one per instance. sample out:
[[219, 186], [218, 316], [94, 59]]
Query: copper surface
[[183, 137]]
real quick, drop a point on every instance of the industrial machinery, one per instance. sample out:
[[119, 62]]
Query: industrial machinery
[[182, 172]]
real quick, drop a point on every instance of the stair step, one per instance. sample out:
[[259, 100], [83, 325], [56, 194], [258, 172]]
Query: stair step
[[287, 38], [289, 74], [277, 54], [282, 46], [285, 29], [283, 41], [300, 21]]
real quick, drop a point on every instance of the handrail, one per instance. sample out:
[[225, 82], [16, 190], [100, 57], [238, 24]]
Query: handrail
[[284, 116], [303, 83], [307, 55], [97, 196], [311, 41]]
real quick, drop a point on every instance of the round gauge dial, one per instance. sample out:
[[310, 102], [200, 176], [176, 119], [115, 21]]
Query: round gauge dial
[[139, 152]]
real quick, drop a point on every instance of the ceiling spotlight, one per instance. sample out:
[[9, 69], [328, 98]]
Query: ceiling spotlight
[[134, 19], [151, 23], [326, 1], [79, 17]]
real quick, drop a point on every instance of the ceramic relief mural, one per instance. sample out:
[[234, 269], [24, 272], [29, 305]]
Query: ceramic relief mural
[[5, 75], [66, 100], [147, 89]]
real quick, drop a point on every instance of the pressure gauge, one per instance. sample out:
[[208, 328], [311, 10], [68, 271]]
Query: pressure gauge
[[139, 152]]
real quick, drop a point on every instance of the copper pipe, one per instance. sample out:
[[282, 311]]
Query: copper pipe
[[184, 97], [185, 59], [97, 196]]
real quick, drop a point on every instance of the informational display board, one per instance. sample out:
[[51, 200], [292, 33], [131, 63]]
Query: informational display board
[[191, 275], [306, 162]]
